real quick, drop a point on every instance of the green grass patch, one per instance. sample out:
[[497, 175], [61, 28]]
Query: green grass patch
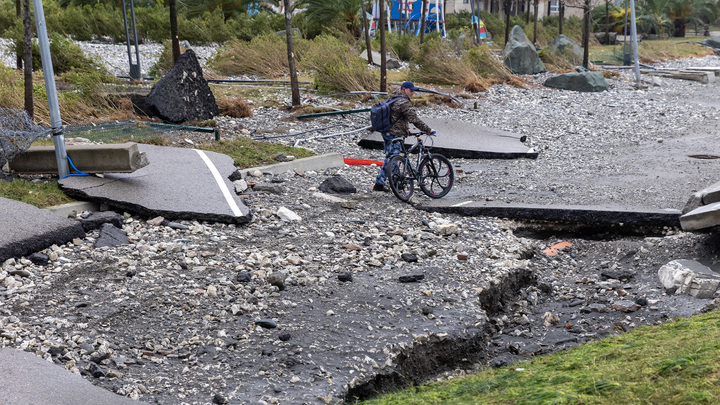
[[41, 194], [651, 51], [671, 364], [248, 153]]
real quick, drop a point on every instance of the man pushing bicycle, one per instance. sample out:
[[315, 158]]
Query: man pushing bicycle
[[402, 115]]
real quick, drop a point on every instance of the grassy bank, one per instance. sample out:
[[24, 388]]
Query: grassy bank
[[673, 363]]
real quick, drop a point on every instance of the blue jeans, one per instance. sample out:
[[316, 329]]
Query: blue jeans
[[391, 148]]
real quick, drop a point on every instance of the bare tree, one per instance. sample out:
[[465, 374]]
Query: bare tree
[[291, 54], [27, 57], [423, 16], [368, 45], [561, 16], [174, 31], [383, 48], [18, 14]]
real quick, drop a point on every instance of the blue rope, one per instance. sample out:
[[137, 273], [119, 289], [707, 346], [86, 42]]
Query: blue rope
[[79, 173]]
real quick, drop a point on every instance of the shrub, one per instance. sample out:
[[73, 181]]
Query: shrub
[[485, 64], [337, 66], [493, 25], [264, 56], [66, 55], [437, 63], [234, 107], [405, 47]]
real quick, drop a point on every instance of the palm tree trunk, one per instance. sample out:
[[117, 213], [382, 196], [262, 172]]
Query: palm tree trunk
[[586, 34], [561, 17], [383, 49], [291, 55], [535, 19], [367, 33], [507, 21], [423, 16], [607, 22], [27, 56], [174, 30]]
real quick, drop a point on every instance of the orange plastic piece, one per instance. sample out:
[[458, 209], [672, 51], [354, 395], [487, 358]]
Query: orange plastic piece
[[556, 248]]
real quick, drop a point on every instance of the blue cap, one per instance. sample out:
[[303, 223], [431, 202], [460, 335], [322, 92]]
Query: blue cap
[[409, 85]]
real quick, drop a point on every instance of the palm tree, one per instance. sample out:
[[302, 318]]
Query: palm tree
[[229, 7], [652, 17], [326, 12], [680, 12]]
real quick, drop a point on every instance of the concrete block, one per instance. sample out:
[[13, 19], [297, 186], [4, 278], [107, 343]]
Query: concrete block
[[708, 195], [320, 162], [689, 277], [105, 158], [706, 216]]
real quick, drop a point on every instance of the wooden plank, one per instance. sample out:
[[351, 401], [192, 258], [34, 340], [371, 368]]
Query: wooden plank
[[702, 77]]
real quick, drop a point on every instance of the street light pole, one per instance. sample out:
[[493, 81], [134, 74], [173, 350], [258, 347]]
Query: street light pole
[[53, 104]]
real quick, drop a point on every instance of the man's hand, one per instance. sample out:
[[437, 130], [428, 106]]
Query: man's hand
[[432, 132]]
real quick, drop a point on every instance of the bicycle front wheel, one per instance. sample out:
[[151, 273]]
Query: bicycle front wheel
[[436, 176], [399, 180]]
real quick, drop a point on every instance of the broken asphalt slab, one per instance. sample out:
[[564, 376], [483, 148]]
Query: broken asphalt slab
[[177, 184], [27, 229], [582, 214], [28, 379], [458, 139]]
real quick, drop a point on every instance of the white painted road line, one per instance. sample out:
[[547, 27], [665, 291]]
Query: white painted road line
[[221, 183], [462, 203]]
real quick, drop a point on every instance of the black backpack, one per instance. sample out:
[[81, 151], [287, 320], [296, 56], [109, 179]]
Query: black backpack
[[380, 115]]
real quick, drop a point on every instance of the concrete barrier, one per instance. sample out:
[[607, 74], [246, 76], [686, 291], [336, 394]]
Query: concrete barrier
[[110, 158]]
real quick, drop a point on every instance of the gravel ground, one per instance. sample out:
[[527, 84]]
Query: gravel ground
[[362, 292]]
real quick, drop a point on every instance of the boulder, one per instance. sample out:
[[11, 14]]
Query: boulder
[[584, 81], [609, 39], [712, 42], [564, 46], [520, 54], [111, 236], [689, 277], [183, 94], [337, 185], [391, 63]]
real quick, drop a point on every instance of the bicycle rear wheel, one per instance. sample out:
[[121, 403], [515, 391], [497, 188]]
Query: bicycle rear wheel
[[401, 184], [436, 176]]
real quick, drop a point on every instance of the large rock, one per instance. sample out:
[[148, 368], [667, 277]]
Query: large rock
[[520, 54], [390, 62], [584, 81], [183, 94], [565, 47], [689, 277], [337, 185], [712, 42]]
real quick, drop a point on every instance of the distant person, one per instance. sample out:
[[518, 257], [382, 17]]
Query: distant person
[[402, 115]]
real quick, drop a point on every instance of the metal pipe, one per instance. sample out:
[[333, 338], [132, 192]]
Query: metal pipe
[[137, 45], [53, 104], [252, 81], [633, 30], [354, 92], [299, 141], [257, 138], [300, 117]]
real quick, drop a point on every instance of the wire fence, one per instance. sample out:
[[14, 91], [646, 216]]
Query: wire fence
[[17, 133]]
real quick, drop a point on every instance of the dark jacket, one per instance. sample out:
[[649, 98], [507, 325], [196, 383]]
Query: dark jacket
[[403, 114]]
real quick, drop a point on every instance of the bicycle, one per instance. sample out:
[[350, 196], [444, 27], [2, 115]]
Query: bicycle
[[433, 171]]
